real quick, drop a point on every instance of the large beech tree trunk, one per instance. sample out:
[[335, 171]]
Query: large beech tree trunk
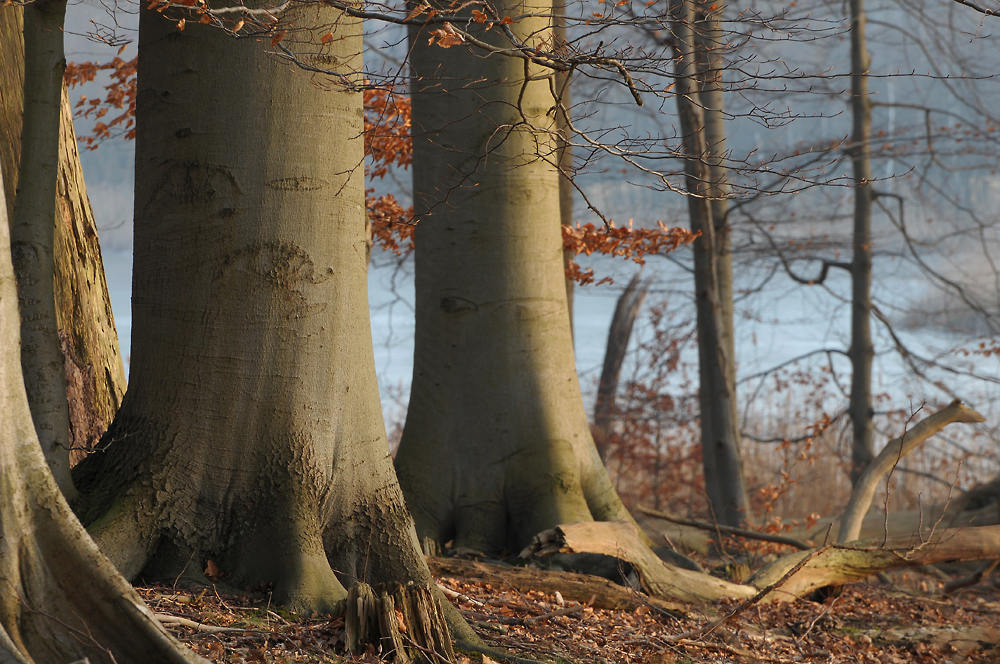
[[496, 446], [95, 375], [720, 451], [251, 434], [61, 599]]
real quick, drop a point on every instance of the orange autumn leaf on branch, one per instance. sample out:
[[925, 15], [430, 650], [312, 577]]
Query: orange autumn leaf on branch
[[620, 241], [120, 95]]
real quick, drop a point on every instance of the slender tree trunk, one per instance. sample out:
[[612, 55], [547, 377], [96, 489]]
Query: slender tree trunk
[[709, 53], [251, 434], [720, 454], [496, 416], [861, 351], [62, 600], [626, 311], [33, 234], [95, 375], [564, 150]]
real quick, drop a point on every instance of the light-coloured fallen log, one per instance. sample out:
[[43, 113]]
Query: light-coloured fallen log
[[843, 563], [894, 451], [621, 540], [832, 565]]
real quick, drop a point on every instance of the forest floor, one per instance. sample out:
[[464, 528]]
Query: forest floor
[[908, 621]]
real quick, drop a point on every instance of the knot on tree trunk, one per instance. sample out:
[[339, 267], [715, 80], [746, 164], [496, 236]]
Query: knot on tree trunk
[[405, 621]]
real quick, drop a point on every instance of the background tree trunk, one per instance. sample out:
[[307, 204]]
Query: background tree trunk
[[251, 434], [709, 55], [496, 417], [33, 234], [95, 374], [720, 453], [620, 331], [861, 351], [62, 600], [564, 148]]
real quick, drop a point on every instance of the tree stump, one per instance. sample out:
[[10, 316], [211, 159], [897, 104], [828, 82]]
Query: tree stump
[[405, 621]]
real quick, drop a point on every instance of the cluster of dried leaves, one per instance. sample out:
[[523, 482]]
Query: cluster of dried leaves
[[910, 621]]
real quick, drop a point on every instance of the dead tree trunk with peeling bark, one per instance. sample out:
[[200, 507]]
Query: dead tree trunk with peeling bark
[[92, 361]]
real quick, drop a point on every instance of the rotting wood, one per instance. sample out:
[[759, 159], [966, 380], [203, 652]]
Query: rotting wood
[[406, 621], [867, 483], [621, 540], [596, 591]]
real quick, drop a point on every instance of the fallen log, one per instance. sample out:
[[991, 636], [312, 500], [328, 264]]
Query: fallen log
[[621, 540], [838, 564], [593, 590], [831, 565], [893, 453]]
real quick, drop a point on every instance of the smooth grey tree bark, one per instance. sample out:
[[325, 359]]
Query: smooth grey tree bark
[[61, 599], [720, 452], [33, 234], [251, 434], [861, 351], [709, 49], [496, 446]]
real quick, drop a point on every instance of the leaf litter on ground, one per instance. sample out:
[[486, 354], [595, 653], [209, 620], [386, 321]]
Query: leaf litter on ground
[[910, 621]]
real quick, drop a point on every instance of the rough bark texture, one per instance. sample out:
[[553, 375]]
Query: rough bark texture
[[33, 234], [861, 351], [496, 417], [626, 311], [92, 359], [61, 600], [867, 483], [251, 434], [95, 375], [12, 99], [720, 452]]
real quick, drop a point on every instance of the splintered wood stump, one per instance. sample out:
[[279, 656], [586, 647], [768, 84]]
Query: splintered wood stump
[[405, 621]]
